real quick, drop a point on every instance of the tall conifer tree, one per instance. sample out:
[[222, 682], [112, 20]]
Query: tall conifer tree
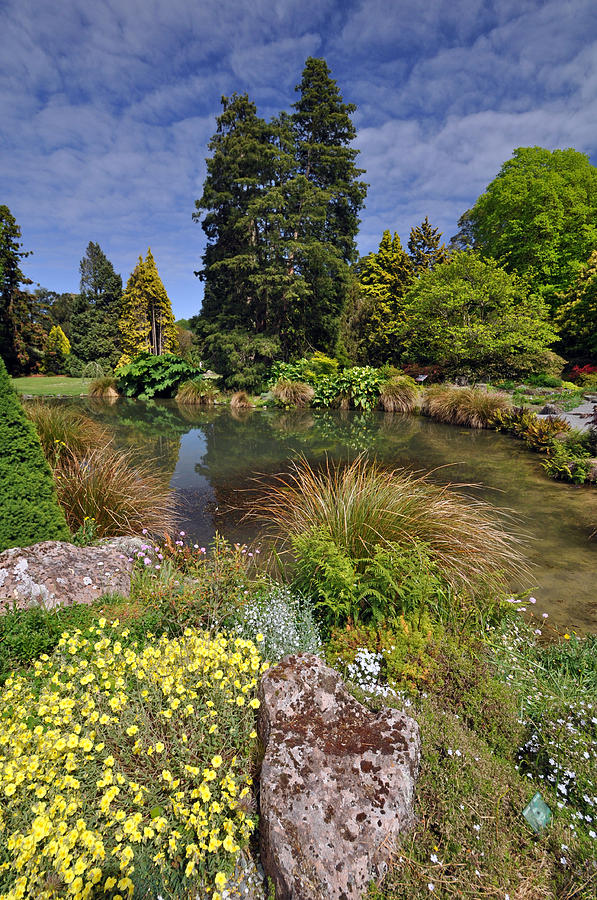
[[94, 331], [425, 248], [147, 322]]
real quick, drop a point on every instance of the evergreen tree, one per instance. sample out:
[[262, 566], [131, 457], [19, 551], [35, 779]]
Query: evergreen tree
[[147, 322], [57, 349], [577, 313], [237, 172], [94, 329], [29, 510], [18, 310], [425, 248], [378, 318], [280, 210]]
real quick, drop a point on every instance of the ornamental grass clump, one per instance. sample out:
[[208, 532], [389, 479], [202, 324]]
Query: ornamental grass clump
[[362, 506], [293, 393], [125, 770], [64, 429], [199, 392], [241, 400], [469, 406], [399, 394], [122, 494], [104, 388]]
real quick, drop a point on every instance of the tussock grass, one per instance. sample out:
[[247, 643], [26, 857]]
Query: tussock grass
[[293, 393], [197, 393], [241, 400], [63, 429], [124, 496], [364, 506], [399, 394], [104, 388], [469, 406]]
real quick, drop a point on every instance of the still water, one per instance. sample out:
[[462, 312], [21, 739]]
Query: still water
[[212, 457]]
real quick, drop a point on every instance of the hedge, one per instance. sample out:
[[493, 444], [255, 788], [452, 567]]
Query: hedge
[[29, 510]]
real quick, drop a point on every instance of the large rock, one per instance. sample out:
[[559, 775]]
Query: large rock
[[54, 573], [337, 783]]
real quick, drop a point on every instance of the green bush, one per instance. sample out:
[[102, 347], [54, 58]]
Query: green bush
[[153, 376], [29, 510], [544, 380]]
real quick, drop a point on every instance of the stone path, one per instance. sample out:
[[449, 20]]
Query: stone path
[[581, 415]]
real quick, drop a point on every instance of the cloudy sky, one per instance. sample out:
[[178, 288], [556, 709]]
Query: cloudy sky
[[107, 106]]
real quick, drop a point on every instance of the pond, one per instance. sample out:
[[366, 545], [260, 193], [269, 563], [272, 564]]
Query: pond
[[212, 457]]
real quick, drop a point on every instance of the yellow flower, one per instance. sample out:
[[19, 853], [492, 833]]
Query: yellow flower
[[254, 703], [216, 761], [220, 880], [159, 747]]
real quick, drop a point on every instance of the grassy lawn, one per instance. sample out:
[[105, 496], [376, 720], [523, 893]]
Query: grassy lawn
[[51, 385]]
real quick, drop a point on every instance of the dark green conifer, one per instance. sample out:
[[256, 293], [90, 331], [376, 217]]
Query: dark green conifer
[[425, 248], [94, 333], [29, 510]]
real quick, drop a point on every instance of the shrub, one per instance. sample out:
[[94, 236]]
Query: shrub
[[62, 428], [543, 380], [241, 400], [473, 407], [363, 506], [153, 376], [29, 511], [124, 496], [280, 622], [142, 766], [399, 394], [355, 388], [293, 393], [104, 388], [198, 392], [56, 351], [567, 463]]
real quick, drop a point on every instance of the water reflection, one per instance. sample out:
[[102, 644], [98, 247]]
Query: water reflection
[[212, 458]]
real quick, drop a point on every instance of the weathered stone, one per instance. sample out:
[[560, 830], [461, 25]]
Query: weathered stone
[[592, 470], [337, 783], [54, 573], [550, 409]]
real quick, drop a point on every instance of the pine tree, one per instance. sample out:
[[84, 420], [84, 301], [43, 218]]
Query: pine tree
[[94, 321], [425, 248], [147, 322]]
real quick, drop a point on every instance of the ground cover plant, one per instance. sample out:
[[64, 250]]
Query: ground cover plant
[[119, 762]]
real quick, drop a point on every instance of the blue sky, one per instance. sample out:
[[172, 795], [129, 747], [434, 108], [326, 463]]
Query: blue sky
[[107, 106]]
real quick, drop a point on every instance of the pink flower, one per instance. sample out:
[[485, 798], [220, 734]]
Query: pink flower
[[147, 561]]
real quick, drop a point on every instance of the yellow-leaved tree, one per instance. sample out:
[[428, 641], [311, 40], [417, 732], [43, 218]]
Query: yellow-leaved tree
[[146, 322]]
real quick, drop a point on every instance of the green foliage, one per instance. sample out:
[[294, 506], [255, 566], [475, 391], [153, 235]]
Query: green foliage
[[398, 653], [13, 348], [146, 321], [243, 360], [538, 217], [280, 211], [354, 388], [153, 376], [424, 247], [544, 380], [472, 317], [63, 429], [538, 434], [309, 369], [56, 352], [577, 312], [394, 580], [376, 322], [29, 511], [567, 463], [94, 319]]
